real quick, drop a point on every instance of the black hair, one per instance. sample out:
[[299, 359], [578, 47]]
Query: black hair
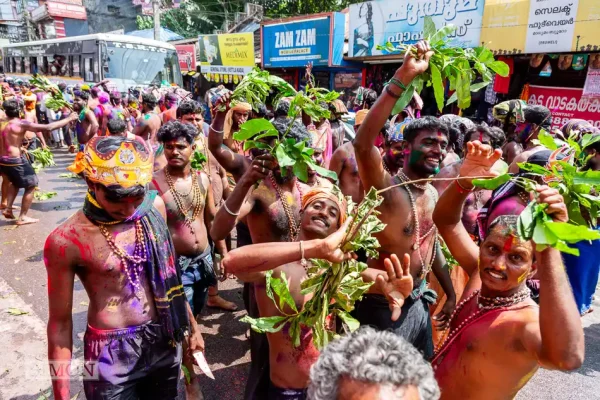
[[62, 86], [283, 108], [385, 129], [496, 135], [149, 99], [189, 107], [116, 126], [369, 97], [173, 130], [26, 84], [116, 193], [262, 111], [428, 123], [12, 108], [455, 138], [109, 144], [538, 115], [509, 221], [298, 131], [82, 94]]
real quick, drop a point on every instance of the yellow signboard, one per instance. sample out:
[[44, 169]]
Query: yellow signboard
[[228, 54], [541, 26]]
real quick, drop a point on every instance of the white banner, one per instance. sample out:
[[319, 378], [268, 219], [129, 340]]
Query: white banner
[[551, 25]]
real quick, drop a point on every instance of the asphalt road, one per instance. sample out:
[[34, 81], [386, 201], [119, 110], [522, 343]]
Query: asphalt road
[[23, 287]]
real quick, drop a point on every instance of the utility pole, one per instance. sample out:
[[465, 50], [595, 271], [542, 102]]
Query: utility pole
[[156, 10]]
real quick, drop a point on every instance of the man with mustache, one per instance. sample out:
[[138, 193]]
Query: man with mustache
[[499, 336], [321, 233], [407, 209], [537, 119]]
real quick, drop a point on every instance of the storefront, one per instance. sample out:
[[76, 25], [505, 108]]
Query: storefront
[[553, 49], [288, 45]]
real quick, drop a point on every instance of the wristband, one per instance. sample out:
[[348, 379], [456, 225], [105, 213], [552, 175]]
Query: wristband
[[398, 83], [390, 93], [216, 131], [461, 188], [229, 211]]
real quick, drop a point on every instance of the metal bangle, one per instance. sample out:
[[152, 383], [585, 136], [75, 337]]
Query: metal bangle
[[229, 211], [216, 131]]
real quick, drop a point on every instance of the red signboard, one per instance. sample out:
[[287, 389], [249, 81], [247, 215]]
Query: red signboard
[[566, 104], [187, 56], [66, 10]]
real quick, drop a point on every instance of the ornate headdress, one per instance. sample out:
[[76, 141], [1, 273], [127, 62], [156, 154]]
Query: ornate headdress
[[128, 165]]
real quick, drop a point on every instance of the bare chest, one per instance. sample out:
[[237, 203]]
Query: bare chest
[[276, 213]]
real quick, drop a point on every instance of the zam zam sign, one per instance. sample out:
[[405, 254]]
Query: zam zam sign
[[293, 44]]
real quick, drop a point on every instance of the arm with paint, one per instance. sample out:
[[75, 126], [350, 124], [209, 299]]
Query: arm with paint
[[142, 127], [60, 257], [210, 210], [557, 340], [440, 270], [28, 126]]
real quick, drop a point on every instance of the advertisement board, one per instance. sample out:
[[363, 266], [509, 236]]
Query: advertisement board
[[565, 104], [295, 43], [376, 22], [230, 53], [186, 53]]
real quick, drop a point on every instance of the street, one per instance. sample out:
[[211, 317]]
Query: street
[[24, 313]]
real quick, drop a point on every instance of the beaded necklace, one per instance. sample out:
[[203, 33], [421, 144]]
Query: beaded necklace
[[196, 202], [132, 265], [293, 224], [420, 239], [484, 304], [386, 167]]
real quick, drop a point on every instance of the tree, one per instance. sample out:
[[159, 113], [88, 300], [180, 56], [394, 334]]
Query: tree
[[195, 17], [292, 8]]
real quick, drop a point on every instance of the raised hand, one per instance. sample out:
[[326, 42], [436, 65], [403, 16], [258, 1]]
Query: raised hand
[[260, 168], [479, 161], [415, 64], [223, 103], [398, 285], [330, 248], [557, 209]]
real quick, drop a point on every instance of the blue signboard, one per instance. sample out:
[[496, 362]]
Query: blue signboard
[[294, 44]]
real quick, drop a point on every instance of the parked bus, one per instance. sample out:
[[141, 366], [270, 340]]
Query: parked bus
[[127, 61]]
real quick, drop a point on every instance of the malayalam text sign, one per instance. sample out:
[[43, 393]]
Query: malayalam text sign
[[565, 104], [550, 26], [186, 53]]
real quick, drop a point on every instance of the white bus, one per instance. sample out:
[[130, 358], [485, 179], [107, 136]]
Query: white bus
[[127, 61]]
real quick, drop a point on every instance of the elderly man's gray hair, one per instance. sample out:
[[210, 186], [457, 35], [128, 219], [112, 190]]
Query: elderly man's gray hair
[[373, 357]]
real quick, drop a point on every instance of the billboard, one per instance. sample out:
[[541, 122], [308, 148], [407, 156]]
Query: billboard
[[230, 53], [565, 104], [186, 53], [374, 23]]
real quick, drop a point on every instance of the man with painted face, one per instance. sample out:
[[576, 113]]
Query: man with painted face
[[87, 124], [537, 118], [321, 232], [499, 336], [171, 113], [190, 112], [393, 148], [120, 248], [149, 123], [406, 210], [14, 165]]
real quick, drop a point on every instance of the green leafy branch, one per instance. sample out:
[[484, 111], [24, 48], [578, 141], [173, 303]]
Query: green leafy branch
[[57, 100], [257, 133], [460, 66], [258, 85], [335, 287], [198, 160]]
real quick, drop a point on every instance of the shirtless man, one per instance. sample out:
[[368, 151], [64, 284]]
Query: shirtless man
[[537, 118], [406, 210], [149, 123], [190, 112], [171, 113], [119, 246], [338, 128], [393, 148], [15, 165], [321, 233], [87, 124], [499, 337], [30, 100]]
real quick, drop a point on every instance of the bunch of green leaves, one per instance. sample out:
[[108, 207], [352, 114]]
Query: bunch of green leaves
[[258, 85], [457, 65], [40, 195], [198, 160], [43, 157], [313, 108], [577, 188], [451, 262], [335, 287], [57, 100], [255, 134]]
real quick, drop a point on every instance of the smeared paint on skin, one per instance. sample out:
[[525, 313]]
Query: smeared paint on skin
[[415, 156], [436, 170], [147, 117], [522, 277], [508, 243]]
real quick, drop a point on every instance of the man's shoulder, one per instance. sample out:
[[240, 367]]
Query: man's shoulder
[[69, 229]]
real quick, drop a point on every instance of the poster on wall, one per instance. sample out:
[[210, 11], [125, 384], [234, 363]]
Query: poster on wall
[[227, 54], [186, 53], [565, 104], [592, 80], [376, 22], [551, 25]]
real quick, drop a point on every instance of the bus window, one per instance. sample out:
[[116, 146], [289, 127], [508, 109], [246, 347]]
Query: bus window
[[18, 65], [45, 66], [33, 65], [88, 69], [77, 66]]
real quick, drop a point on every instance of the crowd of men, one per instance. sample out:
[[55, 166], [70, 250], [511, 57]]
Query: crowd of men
[[146, 241]]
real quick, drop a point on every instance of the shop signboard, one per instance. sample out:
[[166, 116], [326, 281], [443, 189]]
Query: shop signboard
[[541, 26], [186, 53], [230, 53], [376, 22], [295, 43], [565, 104], [592, 80]]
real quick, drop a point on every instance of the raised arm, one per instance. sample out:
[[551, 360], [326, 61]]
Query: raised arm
[[48, 127], [557, 340], [233, 162], [209, 214], [60, 259], [241, 201], [368, 158], [448, 210]]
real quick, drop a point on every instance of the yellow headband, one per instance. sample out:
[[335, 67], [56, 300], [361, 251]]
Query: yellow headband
[[244, 107], [321, 193], [360, 117], [127, 166]]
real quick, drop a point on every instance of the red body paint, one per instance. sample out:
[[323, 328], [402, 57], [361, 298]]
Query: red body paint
[[508, 244]]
